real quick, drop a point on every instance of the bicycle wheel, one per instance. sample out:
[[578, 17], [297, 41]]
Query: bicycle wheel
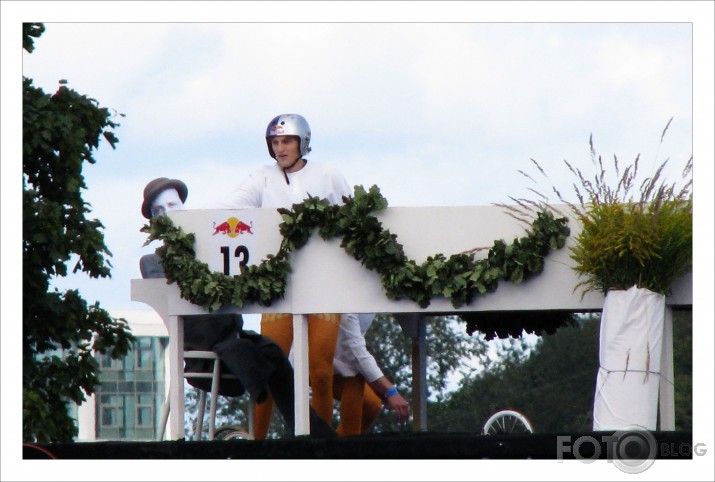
[[238, 435], [230, 432], [507, 422]]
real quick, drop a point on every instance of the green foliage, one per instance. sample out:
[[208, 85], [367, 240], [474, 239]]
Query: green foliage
[[642, 239], [683, 369], [504, 324], [262, 283], [60, 331], [460, 277], [31, 31], [646, 245], [554, 384]]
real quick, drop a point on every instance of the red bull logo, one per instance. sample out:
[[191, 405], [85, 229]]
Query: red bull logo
[[232, 227], [277, 129]]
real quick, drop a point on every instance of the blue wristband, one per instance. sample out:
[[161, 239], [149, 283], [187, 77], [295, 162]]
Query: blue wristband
[[392, 391]]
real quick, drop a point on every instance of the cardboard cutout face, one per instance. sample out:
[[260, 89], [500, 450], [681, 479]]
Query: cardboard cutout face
[[167, 200]]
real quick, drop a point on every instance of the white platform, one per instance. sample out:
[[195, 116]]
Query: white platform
[[325, 279]]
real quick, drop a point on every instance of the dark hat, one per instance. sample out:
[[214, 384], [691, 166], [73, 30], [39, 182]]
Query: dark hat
[[155, 187]]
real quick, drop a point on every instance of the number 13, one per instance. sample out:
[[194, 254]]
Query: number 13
[[240, 252]]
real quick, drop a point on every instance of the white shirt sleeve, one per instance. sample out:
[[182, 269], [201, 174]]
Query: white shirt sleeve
[[351, 354], [340, 187], [249, 193]]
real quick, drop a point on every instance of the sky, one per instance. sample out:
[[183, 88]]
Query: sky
[[438, 104], [433, 114]]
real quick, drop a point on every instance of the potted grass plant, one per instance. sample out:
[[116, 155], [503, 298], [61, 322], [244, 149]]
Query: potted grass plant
[[635, 241]]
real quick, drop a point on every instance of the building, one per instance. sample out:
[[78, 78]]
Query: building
[[128, 403]]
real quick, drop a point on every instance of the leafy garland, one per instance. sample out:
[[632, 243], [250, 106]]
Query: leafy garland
[[459, 277]]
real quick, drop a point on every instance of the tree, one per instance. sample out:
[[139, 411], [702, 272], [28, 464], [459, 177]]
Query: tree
[[683, 369], [554, 384], [449, 349], [60, 330]]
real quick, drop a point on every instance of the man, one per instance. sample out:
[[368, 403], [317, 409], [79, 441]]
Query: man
[[359, 383], [258, 363], [290, 180]]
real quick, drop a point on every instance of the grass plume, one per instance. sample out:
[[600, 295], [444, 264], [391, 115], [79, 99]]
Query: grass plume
[[633, 233]]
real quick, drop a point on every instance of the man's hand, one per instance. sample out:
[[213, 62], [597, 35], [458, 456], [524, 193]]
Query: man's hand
[[400, 406]]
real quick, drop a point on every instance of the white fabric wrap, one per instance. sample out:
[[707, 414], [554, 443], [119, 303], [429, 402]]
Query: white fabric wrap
[[631, 341]]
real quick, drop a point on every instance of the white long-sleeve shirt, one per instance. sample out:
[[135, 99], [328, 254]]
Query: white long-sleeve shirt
[[351, 355], [267, 187]]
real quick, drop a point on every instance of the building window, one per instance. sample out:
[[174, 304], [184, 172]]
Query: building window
[[144, 354], [131, 393], [111, 410], [144, 411], [106, 363], [109, 417]]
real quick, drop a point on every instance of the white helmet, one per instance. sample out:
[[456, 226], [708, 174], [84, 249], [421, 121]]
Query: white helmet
[[289, 125]]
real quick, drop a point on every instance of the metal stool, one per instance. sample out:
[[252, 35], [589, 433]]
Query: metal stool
[[215, 377]]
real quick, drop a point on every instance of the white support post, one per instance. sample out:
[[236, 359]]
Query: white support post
[[419, 375], [176, 370], [300, 369], [667, 382]]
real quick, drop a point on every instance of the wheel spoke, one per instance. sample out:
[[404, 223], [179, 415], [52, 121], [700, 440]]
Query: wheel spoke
[[507, 422]]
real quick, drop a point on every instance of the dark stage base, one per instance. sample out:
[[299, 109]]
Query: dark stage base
[[415, 445]]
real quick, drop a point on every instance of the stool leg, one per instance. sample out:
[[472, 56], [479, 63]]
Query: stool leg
[[214, 399], [200, 416]]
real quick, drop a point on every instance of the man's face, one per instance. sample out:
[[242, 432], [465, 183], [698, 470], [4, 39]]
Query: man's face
[[167, 200], [286, 149]]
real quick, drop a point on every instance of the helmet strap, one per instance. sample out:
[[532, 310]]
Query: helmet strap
[[285, 173]]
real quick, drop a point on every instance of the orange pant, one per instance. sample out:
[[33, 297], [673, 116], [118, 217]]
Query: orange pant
[[322, 337], [359, 405]]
